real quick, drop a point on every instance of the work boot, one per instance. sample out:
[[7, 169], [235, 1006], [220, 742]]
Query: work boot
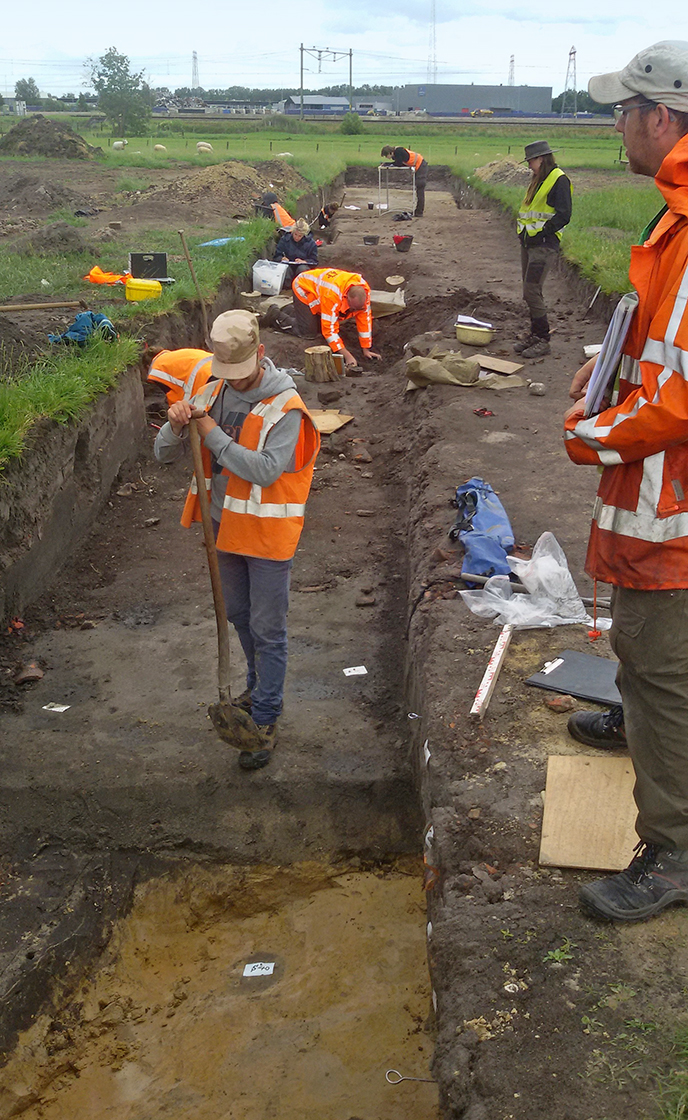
[[244, 700], [654, 879], [256, 760], [524, 343], [537, 349], [604, 730]]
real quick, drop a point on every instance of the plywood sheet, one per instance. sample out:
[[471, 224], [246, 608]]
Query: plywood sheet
[[496, 365], [328, 420], [589, 818]]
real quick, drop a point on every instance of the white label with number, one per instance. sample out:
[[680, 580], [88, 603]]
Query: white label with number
[[259, 968]]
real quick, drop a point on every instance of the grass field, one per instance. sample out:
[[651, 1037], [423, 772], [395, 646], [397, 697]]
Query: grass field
[[623, 208]]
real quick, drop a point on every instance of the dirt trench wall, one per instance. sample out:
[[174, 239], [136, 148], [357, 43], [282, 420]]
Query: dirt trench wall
[[50, 497]]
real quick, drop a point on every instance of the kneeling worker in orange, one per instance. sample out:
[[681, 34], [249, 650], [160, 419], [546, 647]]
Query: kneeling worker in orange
[[259, 449], [322, 299]]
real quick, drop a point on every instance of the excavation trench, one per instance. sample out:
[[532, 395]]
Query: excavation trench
[[145, 872]]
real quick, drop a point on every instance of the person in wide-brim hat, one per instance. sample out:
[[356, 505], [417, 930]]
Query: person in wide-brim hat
[[545, 210]]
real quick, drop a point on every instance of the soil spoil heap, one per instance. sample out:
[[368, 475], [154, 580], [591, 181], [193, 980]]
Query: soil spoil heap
[[31, 194], [506, 170], [232, 186], [36, 136]]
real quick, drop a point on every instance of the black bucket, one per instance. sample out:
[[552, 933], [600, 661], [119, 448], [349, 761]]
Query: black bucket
[[403, 242]]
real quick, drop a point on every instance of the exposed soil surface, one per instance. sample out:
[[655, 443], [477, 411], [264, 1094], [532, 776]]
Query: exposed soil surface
[[541, 1013], [37, 136]]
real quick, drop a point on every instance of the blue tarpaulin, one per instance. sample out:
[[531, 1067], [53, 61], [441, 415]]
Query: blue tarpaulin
[[483, 528], [220, 241]]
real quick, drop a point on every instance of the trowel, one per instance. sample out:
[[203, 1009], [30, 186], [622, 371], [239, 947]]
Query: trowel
[[233, 725]]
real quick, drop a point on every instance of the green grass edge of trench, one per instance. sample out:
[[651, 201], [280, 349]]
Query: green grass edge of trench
[[59, 387]]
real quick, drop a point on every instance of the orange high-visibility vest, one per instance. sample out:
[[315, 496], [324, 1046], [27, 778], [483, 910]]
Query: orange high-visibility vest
[[414, 160], [182, 372], [256, 520], [639, 533], [324, 291], [282, 217]]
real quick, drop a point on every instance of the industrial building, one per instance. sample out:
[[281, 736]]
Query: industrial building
[[452, 101]]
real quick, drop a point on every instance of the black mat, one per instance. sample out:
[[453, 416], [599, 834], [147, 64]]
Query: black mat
[[580, 674]]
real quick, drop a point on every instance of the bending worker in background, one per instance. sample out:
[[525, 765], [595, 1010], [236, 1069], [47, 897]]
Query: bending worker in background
[[639, 535], [298, 249], [259, 448], [402, 157], [322, 298], [545, 210]]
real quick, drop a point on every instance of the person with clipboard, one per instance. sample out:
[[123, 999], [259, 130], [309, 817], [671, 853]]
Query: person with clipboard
[[632, 421]]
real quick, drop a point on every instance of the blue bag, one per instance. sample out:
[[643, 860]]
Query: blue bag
[[483, 528]]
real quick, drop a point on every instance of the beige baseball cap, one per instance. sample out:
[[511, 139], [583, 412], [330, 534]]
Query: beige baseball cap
[[659, 73], [235, 339]]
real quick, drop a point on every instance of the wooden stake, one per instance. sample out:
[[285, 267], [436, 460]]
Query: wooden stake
[[319, 364], [487, 684], [73, 303]]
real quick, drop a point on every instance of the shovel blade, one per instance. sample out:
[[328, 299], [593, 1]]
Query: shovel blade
[[235, 727]]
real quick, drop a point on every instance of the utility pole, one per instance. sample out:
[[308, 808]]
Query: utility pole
[[512, 75], [195, 83], [432, 47], [570, 97], [333, 56]]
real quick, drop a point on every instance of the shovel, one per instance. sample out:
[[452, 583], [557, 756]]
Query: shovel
[[233, 725]]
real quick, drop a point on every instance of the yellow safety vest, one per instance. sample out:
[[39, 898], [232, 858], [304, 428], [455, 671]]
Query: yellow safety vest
[[539, 212]]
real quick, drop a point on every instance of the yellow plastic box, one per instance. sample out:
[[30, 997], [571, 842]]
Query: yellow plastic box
[[142, 289]]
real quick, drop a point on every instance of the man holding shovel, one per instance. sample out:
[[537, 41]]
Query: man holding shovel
[[259, 449]]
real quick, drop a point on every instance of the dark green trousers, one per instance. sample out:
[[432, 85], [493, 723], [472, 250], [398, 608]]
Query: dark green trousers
[[649, 635]]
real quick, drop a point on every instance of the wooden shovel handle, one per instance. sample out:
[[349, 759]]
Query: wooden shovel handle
[[213, 566]]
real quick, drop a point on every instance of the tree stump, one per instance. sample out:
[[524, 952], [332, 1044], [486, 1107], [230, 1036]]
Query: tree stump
[[251, 301], [319, 364]]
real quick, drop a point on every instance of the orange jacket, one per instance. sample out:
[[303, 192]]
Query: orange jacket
[[256, 520], [639, 534], [324, 291]]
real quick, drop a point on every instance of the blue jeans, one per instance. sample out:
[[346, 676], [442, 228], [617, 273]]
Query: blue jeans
[[256, 594]]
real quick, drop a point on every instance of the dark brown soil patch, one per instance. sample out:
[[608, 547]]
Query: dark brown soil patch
[[36, 136], [34, 194]]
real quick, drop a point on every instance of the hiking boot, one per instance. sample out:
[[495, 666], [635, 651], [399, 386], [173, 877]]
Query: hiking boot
[[244, 701], [524, 343], [604, 730], [255, 760], [654, 879], [537, 349]]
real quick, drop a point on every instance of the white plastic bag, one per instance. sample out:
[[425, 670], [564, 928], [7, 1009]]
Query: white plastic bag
[[268, 277], [553, 598]]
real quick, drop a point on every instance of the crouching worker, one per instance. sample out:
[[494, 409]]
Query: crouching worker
[[259, 448], [322, 298]]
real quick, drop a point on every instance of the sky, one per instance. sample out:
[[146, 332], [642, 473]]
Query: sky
[[391, 41]]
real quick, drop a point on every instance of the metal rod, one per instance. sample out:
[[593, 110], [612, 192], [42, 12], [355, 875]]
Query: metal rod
[[41, 306], [467, 577]]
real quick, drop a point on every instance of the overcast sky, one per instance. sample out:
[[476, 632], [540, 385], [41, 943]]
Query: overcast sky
[[258, 45]]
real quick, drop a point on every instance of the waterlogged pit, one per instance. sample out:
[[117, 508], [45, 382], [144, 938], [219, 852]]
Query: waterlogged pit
[[171, 1027]]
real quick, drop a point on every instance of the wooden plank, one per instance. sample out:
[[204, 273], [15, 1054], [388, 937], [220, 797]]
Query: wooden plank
[[496, 365], [589, 818]]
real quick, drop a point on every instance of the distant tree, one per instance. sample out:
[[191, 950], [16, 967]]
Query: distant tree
[[121, 94], [351, 125], [584, 102], [82, 103], [2, 101], [27, 90]]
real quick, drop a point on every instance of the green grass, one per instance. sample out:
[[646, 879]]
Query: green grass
[[64, 272], [58, 388]]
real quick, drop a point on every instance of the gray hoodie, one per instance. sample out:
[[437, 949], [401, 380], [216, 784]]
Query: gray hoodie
[[229, 410]]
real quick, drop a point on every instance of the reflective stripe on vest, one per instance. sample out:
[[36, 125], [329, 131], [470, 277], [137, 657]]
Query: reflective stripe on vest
[[539, 210]]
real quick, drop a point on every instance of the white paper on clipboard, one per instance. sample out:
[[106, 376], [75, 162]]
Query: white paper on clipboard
[[609, 356]]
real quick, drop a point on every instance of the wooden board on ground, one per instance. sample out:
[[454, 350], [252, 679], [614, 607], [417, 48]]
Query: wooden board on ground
[[496, 365], [328, 420], [589, 819]]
